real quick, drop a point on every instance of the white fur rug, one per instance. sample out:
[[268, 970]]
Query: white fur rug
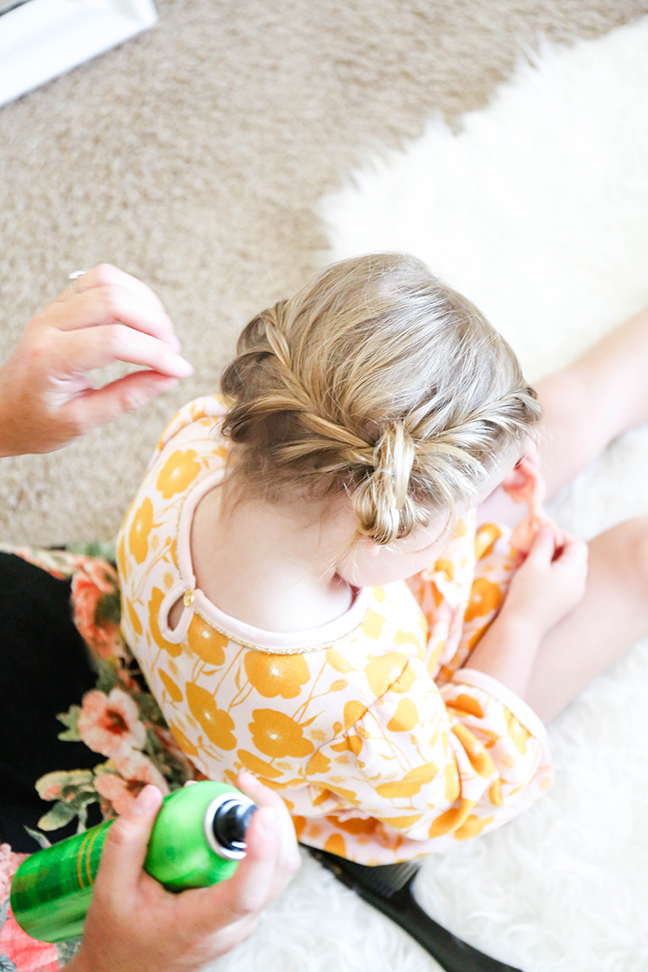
[[537, 209]]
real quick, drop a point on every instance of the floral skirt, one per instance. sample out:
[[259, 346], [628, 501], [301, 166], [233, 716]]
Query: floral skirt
[[120, 739]]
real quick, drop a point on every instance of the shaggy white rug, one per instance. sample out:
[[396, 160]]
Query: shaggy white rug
[[537, 209]]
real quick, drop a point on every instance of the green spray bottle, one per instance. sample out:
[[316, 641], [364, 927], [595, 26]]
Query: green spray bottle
[[197, 840]]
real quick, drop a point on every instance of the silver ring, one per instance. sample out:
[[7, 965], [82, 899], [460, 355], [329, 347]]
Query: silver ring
[[73, 279]]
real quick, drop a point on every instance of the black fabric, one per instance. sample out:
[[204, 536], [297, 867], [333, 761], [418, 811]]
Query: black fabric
[[44, 669]]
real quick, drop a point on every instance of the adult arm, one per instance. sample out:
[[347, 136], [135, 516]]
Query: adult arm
[[46, 397]]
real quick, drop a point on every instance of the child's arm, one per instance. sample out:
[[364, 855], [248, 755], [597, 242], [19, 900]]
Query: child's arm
[[441, 765], [546, 587], [436, 765]]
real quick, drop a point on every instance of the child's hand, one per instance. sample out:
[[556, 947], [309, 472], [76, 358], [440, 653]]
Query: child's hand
[[549, 583], [46, 398]]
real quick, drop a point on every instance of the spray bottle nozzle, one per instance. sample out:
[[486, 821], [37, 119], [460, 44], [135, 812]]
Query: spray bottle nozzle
[[231, 822]]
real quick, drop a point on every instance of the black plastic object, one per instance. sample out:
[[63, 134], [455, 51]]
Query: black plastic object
[[388, 887], [230, 823]]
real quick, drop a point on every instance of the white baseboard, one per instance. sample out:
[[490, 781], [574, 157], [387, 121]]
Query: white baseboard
[[44, 38]]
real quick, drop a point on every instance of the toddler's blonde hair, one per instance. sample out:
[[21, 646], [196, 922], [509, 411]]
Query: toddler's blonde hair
[[379, 380]]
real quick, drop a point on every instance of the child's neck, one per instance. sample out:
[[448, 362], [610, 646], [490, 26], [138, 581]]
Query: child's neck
[[266, 565]]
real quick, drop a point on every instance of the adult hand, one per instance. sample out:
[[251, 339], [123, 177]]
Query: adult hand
[[134, 924], [46, 398]]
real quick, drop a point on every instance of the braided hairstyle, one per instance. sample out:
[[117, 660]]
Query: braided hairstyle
[[379, 380]]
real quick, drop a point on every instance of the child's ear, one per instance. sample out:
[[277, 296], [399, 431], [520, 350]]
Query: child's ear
[[372, 548]]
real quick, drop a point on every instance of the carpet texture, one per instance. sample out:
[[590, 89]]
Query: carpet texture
[[193, 156]]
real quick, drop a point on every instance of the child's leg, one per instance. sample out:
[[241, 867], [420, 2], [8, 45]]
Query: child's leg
[[601, 395], [612, 616]]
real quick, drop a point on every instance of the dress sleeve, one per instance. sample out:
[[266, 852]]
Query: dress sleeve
[[432, 763]]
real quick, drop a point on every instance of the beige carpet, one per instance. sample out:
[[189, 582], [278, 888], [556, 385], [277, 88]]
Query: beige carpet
[[192, 157]]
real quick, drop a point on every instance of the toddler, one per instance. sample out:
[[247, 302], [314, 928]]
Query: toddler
[[319, 589]]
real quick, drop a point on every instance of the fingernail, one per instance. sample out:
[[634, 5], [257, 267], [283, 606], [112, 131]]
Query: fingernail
[[147, 800], [183, 367], [246, 779]]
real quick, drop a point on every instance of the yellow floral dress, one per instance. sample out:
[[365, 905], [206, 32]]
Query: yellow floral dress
[[382, 746]]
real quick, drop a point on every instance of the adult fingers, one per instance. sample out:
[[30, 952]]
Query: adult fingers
[[125, 846], [95, 347], [289, 860], [107, 305], [249, 890], [271, 860], [107, 275], [97, 407]]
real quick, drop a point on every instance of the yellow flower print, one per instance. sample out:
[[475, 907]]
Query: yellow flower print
[[480, 761], [273, 675], [276, 734], [460, 530], [382, 670], [445, 567], [451, 819], [349, 795], [353, 710], [121, 555], [408, 638], [336, 661], [372, 624], [484, 598], [402, 823], [495, 794], [452, 786], [134, 620], [410, 784], [404, 718], [154, 612], [215, 723], [335, 845], [351, 744], [257, 766], [139, 532], [487, 536], [517, 732], [206, 642], [170, 686], [185, 744], [178, 472], [472, 827], [356, 825], [319, 763], [467, 705]]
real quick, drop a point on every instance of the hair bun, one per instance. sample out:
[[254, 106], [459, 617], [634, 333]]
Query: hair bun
[[378, 380]]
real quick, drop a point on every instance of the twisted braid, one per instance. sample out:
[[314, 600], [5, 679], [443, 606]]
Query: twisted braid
[[378, 380]]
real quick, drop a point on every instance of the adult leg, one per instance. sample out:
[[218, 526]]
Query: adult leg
[[44, 669], [611, 617], [601, 395]]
